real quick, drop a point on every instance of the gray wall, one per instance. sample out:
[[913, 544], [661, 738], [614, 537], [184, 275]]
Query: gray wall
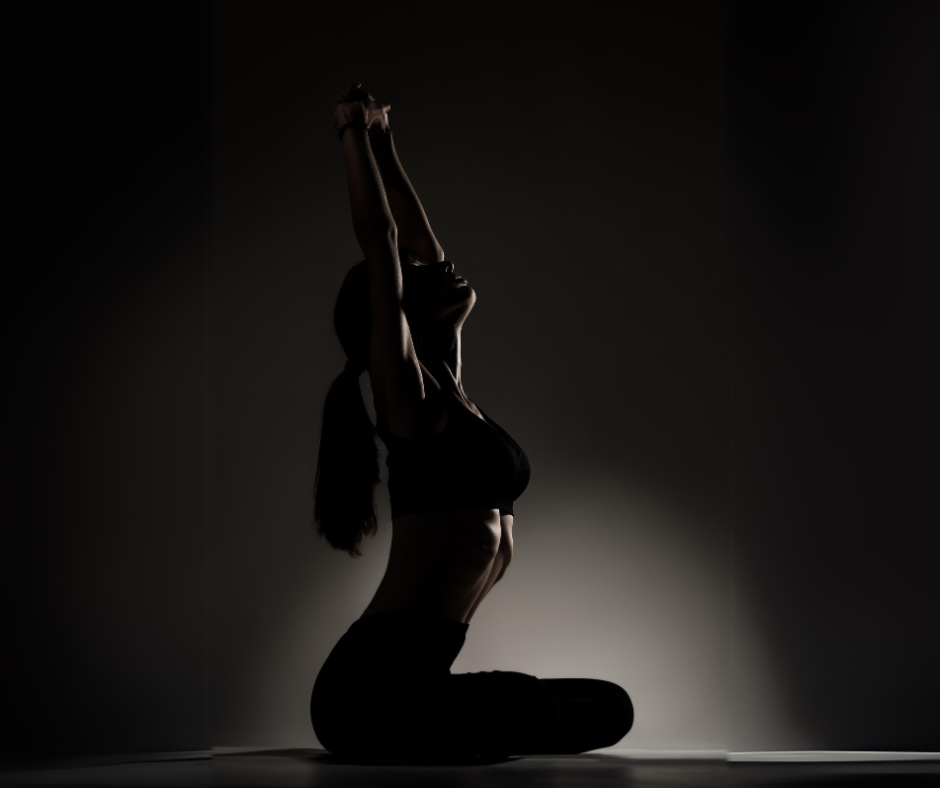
[[576, 172]]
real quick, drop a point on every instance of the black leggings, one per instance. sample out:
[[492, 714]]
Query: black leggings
[[386, 689]]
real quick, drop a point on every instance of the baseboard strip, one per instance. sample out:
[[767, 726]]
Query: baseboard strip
[[829, 756]]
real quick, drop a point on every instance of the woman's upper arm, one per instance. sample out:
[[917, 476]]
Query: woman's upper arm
[[393, 364]]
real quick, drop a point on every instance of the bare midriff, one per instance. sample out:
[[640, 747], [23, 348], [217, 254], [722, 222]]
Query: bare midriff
[[444, 563]]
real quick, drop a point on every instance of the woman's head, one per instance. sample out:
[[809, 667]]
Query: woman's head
[[436, 300]]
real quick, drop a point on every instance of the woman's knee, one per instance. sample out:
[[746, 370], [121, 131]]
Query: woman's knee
[[621, 704], [618, 712]]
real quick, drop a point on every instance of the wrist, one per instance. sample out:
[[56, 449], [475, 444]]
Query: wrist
[[354, 124], [350, 112]]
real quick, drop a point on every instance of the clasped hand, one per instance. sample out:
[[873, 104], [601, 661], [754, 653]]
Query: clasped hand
[[355, 104]]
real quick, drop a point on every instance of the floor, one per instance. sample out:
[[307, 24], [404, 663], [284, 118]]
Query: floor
[[316, 768]]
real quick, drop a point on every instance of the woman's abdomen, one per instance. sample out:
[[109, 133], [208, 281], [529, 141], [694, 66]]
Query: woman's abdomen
[[442, 563]]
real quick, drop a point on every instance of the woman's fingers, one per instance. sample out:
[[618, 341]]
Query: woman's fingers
[[355, 94], [345, 94]]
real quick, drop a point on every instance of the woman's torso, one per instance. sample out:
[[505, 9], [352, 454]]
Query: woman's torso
[[443, 562]]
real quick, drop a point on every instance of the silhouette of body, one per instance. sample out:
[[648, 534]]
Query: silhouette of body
[[386, 688]]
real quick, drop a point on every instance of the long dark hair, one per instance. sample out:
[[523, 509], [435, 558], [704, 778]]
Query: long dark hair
[[348, 458]]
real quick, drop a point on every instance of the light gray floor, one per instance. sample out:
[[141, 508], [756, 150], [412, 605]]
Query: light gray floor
[[316, 768]]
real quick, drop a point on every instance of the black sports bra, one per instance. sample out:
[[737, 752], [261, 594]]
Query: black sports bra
[[471, 464]]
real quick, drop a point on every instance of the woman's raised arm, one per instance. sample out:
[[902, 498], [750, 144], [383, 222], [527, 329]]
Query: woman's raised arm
[[414, 230], [393, 365]]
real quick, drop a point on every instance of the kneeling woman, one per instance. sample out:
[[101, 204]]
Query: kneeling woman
[[386, 688]]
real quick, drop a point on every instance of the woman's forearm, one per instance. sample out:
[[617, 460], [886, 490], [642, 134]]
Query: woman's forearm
[[371, 215], [414, 230]]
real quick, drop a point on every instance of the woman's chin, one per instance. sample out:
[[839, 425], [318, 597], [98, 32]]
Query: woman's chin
[[468, 297]]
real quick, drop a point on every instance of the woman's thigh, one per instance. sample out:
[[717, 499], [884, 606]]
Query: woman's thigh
[[500, 712]]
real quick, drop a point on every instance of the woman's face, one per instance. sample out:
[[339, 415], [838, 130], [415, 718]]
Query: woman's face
[[436, 293]]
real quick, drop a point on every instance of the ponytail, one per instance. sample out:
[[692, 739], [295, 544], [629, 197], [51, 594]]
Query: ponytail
[[347, 467]]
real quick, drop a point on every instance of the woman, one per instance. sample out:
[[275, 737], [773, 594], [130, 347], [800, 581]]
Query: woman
[[386, 688]]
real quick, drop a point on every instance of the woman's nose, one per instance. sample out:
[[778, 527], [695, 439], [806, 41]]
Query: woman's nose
[[448, 267]]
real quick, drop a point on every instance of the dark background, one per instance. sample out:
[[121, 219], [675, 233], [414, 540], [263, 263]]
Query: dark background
[[835, 199], [105, 556], [833, 124]]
